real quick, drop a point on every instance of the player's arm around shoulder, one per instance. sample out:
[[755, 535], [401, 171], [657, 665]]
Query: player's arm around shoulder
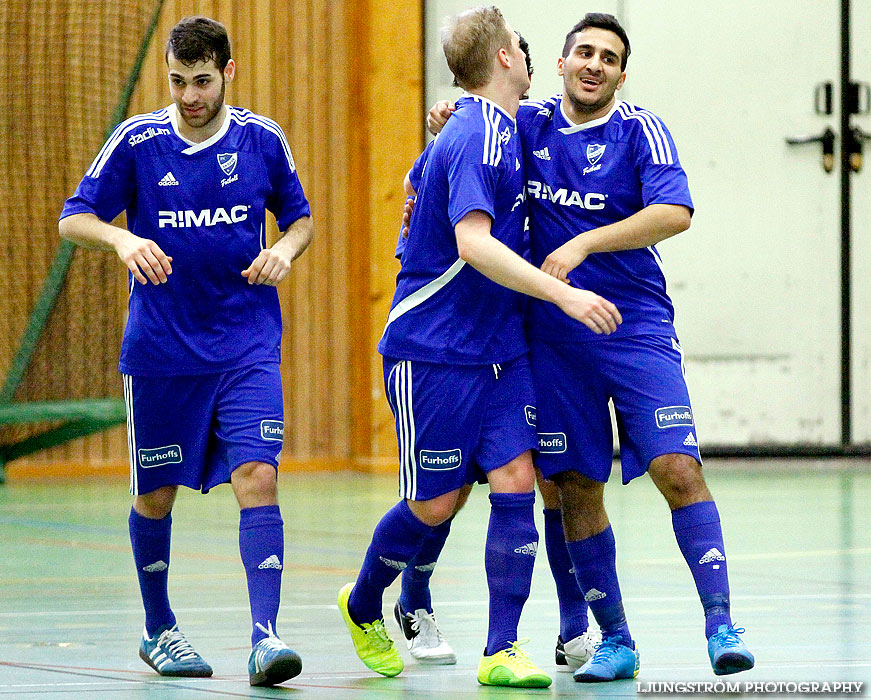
[[272, 264], [497, 261], [143, 257]]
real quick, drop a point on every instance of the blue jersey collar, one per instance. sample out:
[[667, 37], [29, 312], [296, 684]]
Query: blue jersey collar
[[172, 110], [471, 96], [571, 128]]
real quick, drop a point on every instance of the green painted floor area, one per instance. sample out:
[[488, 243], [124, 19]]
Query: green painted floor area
[[797, 537]]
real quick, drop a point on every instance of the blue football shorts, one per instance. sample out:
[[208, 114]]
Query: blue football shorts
[[644, 377], [195, 430], [454, 422]]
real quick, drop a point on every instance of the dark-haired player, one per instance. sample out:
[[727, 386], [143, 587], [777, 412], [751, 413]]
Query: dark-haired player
[[201, 345]]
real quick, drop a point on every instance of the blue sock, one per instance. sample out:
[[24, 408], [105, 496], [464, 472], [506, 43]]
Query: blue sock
[[415, 594], [397, 538], [700, 538], [150, 539], [261, 544], [595, 562], [572, 606], [512, 542]]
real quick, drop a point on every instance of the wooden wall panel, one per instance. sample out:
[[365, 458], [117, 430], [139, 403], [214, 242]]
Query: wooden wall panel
[[344, 80]]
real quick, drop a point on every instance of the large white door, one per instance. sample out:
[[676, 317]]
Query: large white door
[[756, 279]]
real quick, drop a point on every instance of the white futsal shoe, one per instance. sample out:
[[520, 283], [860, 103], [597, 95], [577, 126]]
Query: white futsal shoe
[[424, 638], [576, 652]]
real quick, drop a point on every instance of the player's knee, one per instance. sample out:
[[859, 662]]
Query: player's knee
[[435, 511], [255, 483], [517, 476], [155, 504], [680, 480], [578, 493]]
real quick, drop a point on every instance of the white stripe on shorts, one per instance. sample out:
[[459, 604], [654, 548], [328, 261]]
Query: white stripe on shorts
[[402, 388], [131, 433]]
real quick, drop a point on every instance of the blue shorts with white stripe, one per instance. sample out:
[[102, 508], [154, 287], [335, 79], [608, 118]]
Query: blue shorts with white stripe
[[455, 421]]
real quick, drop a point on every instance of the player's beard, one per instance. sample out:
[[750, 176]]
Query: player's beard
[[212, 109]]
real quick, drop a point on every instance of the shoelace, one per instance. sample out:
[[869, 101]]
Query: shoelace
[[426, 625], [605, 650], [272, 639], [176, 644], [729, 638], [376, 634], [520, 657]]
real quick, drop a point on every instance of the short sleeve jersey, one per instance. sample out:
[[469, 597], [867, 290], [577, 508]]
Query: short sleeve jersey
[[205, 206], [414, 177], [581, 177], [445, 311]]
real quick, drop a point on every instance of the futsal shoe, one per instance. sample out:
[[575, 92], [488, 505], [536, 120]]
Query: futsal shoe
[[576, 652], [271, 661], [423, 636], [611, 661], [371, 641], [511, 667], [728, 653], [170, 654]]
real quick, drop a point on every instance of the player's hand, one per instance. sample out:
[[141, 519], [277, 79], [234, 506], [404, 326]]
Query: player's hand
[[406, 215], [144, 258], [596, 313], [565, 259], [438, 115], [269, 267]]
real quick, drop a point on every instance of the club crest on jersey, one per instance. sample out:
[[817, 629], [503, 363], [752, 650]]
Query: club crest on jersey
[[505, 136], [228, 161], [594, 154]]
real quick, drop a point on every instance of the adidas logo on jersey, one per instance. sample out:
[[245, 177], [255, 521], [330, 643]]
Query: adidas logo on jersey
[[713, 554], [544, 154], [167, 180], [594, 594], [393, 564], [531, 549], [155, 567], [271, 562], [690, 441]]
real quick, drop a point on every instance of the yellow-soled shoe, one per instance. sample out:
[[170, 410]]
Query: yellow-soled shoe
[[371, 641], [512, 667]]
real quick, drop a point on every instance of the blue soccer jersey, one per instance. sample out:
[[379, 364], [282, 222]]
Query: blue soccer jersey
[[581, 177], [445, 311], [414, 177], [205, 205]]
